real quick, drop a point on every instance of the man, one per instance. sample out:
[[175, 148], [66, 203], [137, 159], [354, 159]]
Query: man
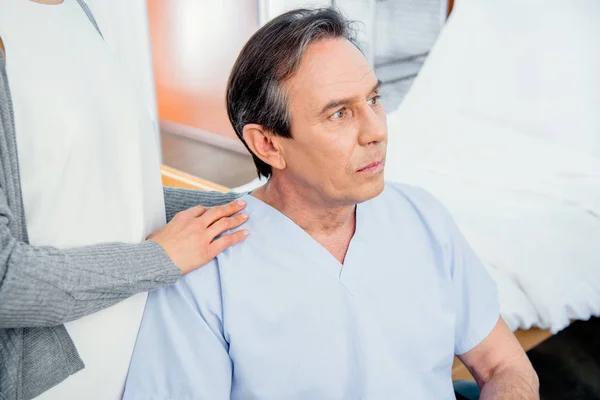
[[348, 287]]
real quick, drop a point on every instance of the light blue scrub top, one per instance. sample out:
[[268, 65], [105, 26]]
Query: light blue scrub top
[[278, 317]]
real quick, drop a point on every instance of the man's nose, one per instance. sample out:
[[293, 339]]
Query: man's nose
[[373, 127]]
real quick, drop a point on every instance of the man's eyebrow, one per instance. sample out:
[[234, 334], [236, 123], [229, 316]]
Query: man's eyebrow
[[340, 102], [376, 87]]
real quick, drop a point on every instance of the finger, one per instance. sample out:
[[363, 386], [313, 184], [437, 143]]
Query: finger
[[225, 241], [216, 213], [225, 224], [196, 211]]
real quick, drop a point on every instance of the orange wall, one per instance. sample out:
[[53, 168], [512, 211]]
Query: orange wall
[[194, 45]]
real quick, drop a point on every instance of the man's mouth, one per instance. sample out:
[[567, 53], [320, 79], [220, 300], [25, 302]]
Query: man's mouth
[[374, 167]]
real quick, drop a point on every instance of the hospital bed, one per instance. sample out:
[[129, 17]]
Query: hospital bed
[[501, 125]]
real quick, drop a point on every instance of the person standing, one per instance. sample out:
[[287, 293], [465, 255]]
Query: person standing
[[82, 208]]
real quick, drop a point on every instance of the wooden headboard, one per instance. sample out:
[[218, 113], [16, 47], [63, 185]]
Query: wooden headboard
[[176, 178]]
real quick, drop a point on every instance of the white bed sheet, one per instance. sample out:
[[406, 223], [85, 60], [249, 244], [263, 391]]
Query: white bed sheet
[[530, 209]]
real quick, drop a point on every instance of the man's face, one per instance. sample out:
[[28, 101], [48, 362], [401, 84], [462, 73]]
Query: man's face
[[339, 132]]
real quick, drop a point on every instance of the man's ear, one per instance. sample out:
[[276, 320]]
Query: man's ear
[[265, 145]]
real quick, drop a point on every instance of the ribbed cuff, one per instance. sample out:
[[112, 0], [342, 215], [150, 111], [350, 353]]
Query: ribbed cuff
[[123, 268], [168, 272]]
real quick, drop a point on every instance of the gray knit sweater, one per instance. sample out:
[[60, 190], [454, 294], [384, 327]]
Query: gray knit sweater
[[41, 288]]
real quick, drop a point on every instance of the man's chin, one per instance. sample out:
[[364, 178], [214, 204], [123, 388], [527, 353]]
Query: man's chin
[[371, 189]]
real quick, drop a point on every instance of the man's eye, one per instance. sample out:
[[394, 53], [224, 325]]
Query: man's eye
[[374, 100], [338, 114]]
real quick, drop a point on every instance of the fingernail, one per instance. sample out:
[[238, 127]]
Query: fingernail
[[245, 233], [244, 216], [241, 203]]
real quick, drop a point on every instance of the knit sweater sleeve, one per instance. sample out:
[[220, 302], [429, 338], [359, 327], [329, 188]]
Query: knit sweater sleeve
[[45, 286], [177, 200]]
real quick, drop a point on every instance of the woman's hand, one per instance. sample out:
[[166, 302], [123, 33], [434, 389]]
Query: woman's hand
[[189, 238]]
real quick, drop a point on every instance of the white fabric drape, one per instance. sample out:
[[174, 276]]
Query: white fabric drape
[[125, 28]]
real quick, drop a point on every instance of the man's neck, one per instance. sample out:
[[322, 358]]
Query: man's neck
[[308, 209], [329, 223]]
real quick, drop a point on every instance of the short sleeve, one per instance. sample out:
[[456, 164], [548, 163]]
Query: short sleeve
[[474, 292]]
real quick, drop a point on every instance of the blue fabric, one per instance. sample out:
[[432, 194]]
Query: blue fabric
[[278, 317]]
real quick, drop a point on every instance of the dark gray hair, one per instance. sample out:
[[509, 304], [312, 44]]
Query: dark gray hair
[[255, 93]]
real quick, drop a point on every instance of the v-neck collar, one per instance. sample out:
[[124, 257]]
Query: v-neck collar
[[288, 233]]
